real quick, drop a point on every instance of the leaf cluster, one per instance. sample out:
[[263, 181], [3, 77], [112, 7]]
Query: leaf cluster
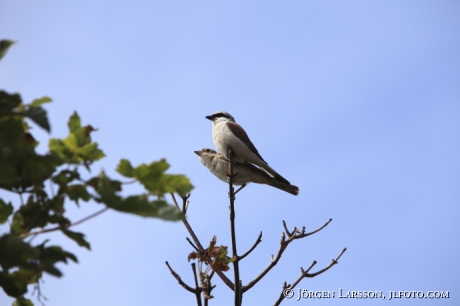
[[46, 183], [215, 257]]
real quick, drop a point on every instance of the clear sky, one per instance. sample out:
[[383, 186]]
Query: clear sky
[[356, 102]]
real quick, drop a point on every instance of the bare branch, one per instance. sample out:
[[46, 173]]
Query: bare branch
[[231, 195], [174, 200], [295, 234], [187, 225], [64, 226], [286, 286], [185, 203], [303, 234], [197, 293], [334, 262], [90, 216], [259, 240], [221, 274], [306, 274], [238, 190], [194, 274], [286, 229], [191, 243], [176, 276]]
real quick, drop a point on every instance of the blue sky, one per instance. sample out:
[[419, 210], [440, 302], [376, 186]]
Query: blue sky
[[356, 102]]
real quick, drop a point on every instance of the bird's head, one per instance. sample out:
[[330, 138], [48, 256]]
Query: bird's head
[[220, 115]]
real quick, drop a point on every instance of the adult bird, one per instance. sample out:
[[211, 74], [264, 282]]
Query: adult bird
[[227, 133]]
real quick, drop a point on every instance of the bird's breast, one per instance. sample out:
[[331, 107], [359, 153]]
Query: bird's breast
[[224, 137]]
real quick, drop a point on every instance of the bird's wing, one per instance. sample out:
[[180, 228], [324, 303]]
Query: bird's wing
[[238, 131]]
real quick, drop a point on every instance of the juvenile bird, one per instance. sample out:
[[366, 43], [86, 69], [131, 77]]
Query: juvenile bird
[[247, 173]]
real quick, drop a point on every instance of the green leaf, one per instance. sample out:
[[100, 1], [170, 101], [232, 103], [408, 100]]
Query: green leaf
[[154, 179], [65, 177], [77, 147], [17, 226], [38, 115], [142, 206], [76, 192], [78, 238], [58, 147], [40, 101], [139, 205], [74, 122], [90, 152], [37, 168], [15, 252], [8, 102], [6, 209], [8, 175], [4, 45], [176, 183], [106, 190], [51, 255], [71, 142], [11, 132], [22, 301], [13, 286], [124, 168], [30, 276]]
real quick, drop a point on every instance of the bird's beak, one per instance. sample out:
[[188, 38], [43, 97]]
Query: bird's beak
[[197, 153], [209, 117]]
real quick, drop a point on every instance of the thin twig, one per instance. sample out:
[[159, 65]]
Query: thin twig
[[187, 225], [295, 234], [334, 262], [64, 226], [176, 276], [286, 286], [191, 243], [306, 274], [259, 240], [90, 216], [185, 203], [302, 234], [221, 274], [242, 186]]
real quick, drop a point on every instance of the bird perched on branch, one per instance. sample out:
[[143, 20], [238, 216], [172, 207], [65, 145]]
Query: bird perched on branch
[[247, 173], [226, 132]]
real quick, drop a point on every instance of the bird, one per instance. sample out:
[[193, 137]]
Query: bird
[[227, 133], [247, 173]]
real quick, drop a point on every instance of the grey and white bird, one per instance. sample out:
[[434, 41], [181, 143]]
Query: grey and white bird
[[247, 173], [226, 132]]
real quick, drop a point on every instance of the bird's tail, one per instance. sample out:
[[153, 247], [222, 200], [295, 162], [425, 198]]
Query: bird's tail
[[266, 177], [273, 173], [284, 186]]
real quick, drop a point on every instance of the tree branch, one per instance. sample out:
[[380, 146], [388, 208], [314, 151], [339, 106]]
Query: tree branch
[[197, 294], [259, 240], [64, 226], [191, 243], [306, 274], [186, 287], [222, 276], [295, 234], [231, 195]]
